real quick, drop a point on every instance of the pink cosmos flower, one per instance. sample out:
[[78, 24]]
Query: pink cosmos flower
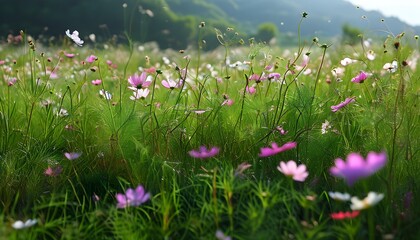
[[360, 78], [274, 76], [72, 155], [132, 197], [69, 55], [91, 59], [250, 89], [96, 82], [228, 102], [170, 84], [290, 169], [355, 167], [275, 149], [337, 107], [137, 82], [203, 152], [344, 215], [11, 81], [53, 172], [257, 77]]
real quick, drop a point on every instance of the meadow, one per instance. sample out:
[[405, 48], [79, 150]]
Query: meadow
[[248, 141]]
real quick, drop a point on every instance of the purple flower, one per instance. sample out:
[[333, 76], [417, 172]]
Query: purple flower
[[137, 82], [355, 167], [203, 152], [132, 197], [337, 107], [267, 151], [53, 172], [360, 78], [72, 155]]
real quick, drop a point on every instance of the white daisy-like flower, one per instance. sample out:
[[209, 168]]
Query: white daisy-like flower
[[339, 196], [391, 67], [371, 200], [105, 94], [140, 94], [75, 37], [21, 225]]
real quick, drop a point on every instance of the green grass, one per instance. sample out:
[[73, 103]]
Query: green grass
[[125, 143]]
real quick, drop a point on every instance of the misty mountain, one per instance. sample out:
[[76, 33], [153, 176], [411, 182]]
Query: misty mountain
[[325, 17]]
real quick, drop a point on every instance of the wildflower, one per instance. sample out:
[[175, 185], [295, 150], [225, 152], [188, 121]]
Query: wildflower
[[105, 94], [241, 168], [337, 107], [275, 149], [203, 152], [140, 94], [221, 236], [371, 55], [53, 172], [339, 196], [75, 37], [62, 112], [344, 215], [96, 82], [347, 61], [281, 130], [132, 197], [91, 58], [356, 167], [250, 89], [137, 82], [391, 67], [228, 102], [170, 84], [325, 127], [72, 155], [257, 77], [21, 225], [360, 78], [290, 169], [371, 200], [241, 66], [11, 81], [69, 55], [274, 76]]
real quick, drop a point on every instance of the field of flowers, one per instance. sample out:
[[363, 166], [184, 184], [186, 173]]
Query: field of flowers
[[107, 141]]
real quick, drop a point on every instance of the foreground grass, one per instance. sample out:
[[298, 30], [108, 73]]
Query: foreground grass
[[49, 106]]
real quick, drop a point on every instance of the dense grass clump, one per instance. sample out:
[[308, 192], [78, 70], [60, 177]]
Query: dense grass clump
[[207, 138]]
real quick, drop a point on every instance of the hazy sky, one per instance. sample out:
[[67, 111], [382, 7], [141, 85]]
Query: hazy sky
[[406, 10]]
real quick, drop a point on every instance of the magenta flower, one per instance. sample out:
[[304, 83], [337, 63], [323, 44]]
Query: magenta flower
[[203, 152], [355, 167], [360, 78], [337, 107], [91, 59], [72, 155], [137, 82], [274, 75], [290, 169], [132, 197], [267, 151]]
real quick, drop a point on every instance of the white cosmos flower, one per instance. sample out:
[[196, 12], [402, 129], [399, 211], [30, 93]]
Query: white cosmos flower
[[20, 224], [371, 200], [75, 37], [339, 196], [391, 67]]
